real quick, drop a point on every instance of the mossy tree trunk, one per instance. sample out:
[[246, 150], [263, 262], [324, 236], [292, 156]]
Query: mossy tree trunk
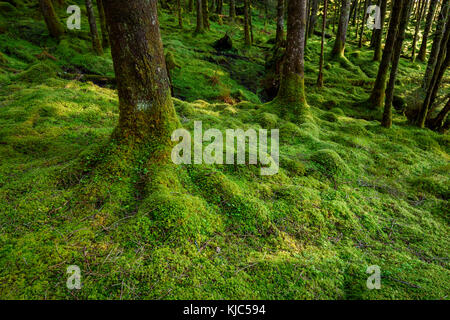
[[232, 9], [428, 24], [200, 27], [379, 32], [324, 22], [205, 14], [51, 20], [96, 45], [247, 37], [103, 27], [387, 114], [378, 92], [437, 40], [438, 122], [291, 94], [146, 109], [280, 22], [419, 17], [442, 64], [339, 44]]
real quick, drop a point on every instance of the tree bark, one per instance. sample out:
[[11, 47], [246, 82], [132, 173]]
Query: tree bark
[[437, 39], [200, 27], [339, 44], [205, 13], [379, 32], [420, 15], [248, 40], [96, 45], [364, 16], [103, 27], [429, 22], [387, 114], [438, 121], [280, 22], [180, 14], [377, 96], [313, 17], [324, 22], [146, 110], [232, 10], [51, 20], [291, 94], [219, 8]]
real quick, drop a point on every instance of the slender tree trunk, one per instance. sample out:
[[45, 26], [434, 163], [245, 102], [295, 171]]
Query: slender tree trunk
[[291, 94], [437, 39], [379, 32], [313, 17], [51, 20], [233, 9], [180, 14], [358, 10], [200, 27], [191, 5], [97, 46], [248, 40], [364, 16], [429, 22], [146, 109], [103, 27], [339, 44], [324, 22], [219, 8], [280, 22], [387, 114], [420, 15], [205, 13], [377, 96]]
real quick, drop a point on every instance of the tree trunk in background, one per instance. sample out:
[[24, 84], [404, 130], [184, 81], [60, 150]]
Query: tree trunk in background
[[97, 46], [437, 39], [377, 96], [205, 13], [429, 22], [420, 15], [200, 28], [313, 17], [191, 5], [280, 22], [146, 109], [180, 14], [364, 15], [357, 21], [379, 32], [248, 40], [438, 73], [291, 93], [103, 27], [51, 20], [232, 9], [387, 114], [219, 8], [324, 22], [339, 44]]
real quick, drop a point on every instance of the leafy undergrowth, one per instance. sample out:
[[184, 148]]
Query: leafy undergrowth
[[349, 193]]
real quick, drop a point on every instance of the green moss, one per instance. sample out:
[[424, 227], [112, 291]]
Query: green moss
[[329, 162]]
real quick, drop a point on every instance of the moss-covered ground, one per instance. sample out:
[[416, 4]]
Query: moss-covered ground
[[349, 193]]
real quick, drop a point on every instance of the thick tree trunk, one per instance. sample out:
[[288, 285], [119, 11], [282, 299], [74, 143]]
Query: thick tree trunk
[[291, 94], [96, 45], [438, 121], [51, 20], [103, 27], [437, 39], [379, 32], [387, 114], [324, 22], [429, 22], [200, 27], [146, 109], [339, 44], [247, 36], [377, 96], [280, 22], [420, 15]]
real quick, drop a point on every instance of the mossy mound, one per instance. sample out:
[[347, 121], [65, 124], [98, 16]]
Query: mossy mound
[[329, 162]]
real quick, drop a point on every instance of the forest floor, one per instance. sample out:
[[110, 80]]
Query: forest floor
[[349, 194]]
